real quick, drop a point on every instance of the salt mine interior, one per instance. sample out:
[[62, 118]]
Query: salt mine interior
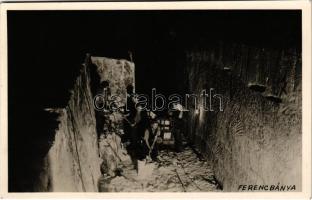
[[62, 58]]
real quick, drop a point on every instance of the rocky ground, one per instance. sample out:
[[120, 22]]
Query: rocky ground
[[174, 172]]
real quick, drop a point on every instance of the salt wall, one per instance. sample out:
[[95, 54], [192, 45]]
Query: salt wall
[[118, 72], [256, 138], [72, 163]]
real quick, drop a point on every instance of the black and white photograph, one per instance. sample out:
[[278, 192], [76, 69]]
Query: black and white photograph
[[155, 100]]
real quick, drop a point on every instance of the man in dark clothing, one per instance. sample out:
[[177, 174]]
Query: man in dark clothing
[[150, 140], [102, 103], [133, 118], [176, 121], [135, 122]]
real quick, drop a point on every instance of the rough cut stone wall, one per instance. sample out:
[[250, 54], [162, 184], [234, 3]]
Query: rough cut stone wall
[[73, 162], [256, 139], [118, 72]]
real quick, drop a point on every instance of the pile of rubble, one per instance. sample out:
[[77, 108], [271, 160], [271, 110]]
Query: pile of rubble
[[174, 172]]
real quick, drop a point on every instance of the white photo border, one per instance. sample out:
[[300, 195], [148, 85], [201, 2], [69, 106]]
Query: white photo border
[[304, 6]]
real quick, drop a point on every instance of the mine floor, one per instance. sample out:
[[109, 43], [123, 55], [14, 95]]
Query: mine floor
[[174, 172]]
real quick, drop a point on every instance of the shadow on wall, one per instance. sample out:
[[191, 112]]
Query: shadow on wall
[[256, 140]]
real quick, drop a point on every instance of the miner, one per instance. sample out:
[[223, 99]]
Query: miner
[[104, 91], [151, 134], [176, 121]]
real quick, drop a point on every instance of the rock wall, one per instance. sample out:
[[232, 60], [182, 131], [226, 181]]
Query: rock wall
[[118, 72], [74, 159], [256, 138], [72, 164]]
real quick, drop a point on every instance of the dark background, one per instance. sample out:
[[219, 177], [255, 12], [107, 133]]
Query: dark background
[[46, 49]]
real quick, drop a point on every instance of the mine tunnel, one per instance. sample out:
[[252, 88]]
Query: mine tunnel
[[246, 131]]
